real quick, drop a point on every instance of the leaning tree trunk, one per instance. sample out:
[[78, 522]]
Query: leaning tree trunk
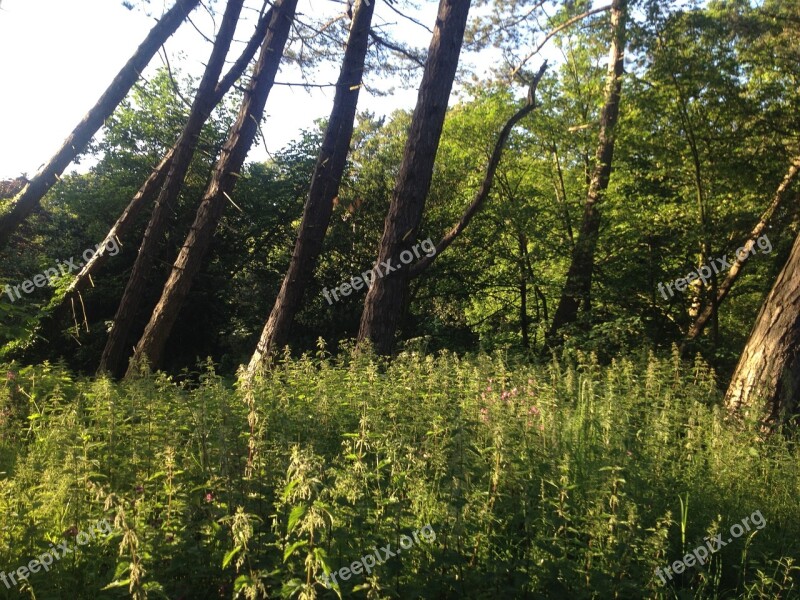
[[577, 289], [324, 188], [223, 180], [27, 200], [766, 381], [115, 350], [738, 264], [153, 183], [386, 297]]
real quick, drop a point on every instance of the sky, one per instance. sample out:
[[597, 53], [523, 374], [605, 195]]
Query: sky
[[58, 56]]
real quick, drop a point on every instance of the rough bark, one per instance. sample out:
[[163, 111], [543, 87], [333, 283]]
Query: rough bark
[[766, 382], [488, 178], [28, 199], [115, 350], [324, 188], [739, 261], [577, 289], [386, 297], [226, 170], [156, 179]]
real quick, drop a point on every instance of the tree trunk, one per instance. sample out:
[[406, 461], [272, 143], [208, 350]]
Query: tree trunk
[[488, 178], [226, 170], [766, 381], [27, 200], [324, 188], [577, 289], [386, 296], [115, 350], [156, 179], [738, 264]]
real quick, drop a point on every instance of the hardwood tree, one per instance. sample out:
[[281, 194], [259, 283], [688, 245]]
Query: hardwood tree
[[766, 382], [577, 288], [30, 196]]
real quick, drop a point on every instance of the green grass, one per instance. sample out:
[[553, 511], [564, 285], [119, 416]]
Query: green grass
[[564, 480]]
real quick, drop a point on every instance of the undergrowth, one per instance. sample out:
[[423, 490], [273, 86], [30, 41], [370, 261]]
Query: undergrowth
[[564, 480]]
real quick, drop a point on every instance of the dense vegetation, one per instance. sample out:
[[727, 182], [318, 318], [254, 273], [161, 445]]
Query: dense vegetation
[[536, 456], [562, 480]]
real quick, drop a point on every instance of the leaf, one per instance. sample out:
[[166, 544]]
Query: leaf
[[292, 547], [295, 516], [229, 556]]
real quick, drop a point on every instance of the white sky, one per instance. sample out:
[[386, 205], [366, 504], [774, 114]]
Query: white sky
[[58, 56]]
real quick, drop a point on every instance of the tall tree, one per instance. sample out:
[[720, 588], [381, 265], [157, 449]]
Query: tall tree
[[30, 196], [324, 189], [739, 260], [155, 180], [387, 295], [577, 288], [181, 158], [223, 180], [766, 381]]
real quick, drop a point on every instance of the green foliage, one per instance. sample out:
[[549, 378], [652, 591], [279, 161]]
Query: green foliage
[[561, 480]]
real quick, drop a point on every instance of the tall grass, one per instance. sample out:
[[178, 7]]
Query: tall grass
[[565, 480]]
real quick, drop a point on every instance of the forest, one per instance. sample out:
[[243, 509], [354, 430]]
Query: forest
[[534, 335]]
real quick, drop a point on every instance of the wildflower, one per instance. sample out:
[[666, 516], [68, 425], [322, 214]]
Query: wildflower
[[533, 411], [485, 415], [139, 489], [209, 497]]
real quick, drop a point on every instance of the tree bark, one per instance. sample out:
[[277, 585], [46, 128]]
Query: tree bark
[[488, 178], [156, 179], [766, 381], [324, 188], [226, 170], [738, 264], [28, 199], [115, 352], [577, 289], [386, 297]]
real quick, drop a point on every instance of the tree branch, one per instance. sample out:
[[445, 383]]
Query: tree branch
[[488, 178]]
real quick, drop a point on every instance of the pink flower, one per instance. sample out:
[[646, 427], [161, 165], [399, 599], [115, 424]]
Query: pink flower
[[485, 415], [533, 410], [209, 497]]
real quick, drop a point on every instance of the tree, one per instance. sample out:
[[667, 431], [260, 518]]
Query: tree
[[739, 260], [577, 288], [30, 196], [324, 189], [155, 180], [223, 180], [766, 381], [180, 157], [388, 294]]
